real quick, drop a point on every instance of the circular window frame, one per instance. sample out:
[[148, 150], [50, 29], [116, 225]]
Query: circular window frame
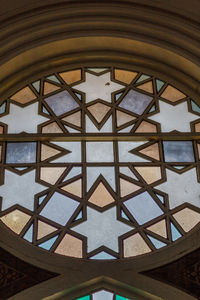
[[35, 65]]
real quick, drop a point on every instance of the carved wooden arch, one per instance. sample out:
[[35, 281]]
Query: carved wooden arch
[[175, 61]]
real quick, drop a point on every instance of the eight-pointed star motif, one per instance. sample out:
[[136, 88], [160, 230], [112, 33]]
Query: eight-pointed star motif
[[97, 87], [23, 118], [174, 117], [19, 190], [102, 229], [181, 188]]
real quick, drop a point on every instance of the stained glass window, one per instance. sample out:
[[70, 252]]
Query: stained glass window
[[100, 163], [103, 295]]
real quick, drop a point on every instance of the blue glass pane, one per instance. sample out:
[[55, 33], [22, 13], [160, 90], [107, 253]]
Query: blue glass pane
[[124, 216], [152, 109], [195, 107], [45, 110], [3, 108], [161, 198], [158, 244], [175, 233], [143, 77], [40, 200], [178, 151], [53, 78], [48, 244], [179, 167], [21, 153], [59, 208], [36, 85], [79, 96], [80, 215], [117, 96], [102, 255], [21, 169], [159, 84], [29, 234], [143, 208]]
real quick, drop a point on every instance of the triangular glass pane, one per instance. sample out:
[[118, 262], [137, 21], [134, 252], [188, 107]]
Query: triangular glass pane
[[159, 84], [143, 77], [44, 110], [48, 244], [102, 255], [3, 108], [29, 234], [73, 172], [53, 78], [36, 85], [124, 216], [117, 96], [175, 233], [161, 198], [40, 200], [152, 109], [179, 167], [126, 171], [195, 107], [158, 244], [71, 130], [79, 96], [21, 169], [80, 215], [127, 129]]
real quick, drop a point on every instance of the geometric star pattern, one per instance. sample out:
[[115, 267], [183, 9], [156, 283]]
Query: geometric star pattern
[[98, 87], [179, 119], [89, 166], [181, 188], [19, 116], [14, 190], [102, 229]]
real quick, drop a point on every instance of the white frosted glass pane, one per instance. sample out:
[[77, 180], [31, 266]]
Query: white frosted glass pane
[[73, 147], [14, 190], [181, 188], [107, 172], [90, 127], [102, 295], [102, 229], [23, 118], [99, 152], [125, 155], [98, 87], [179, 119]]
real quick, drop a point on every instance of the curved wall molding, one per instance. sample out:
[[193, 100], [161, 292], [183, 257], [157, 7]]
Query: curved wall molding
[[73, 52], [129, 19]]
